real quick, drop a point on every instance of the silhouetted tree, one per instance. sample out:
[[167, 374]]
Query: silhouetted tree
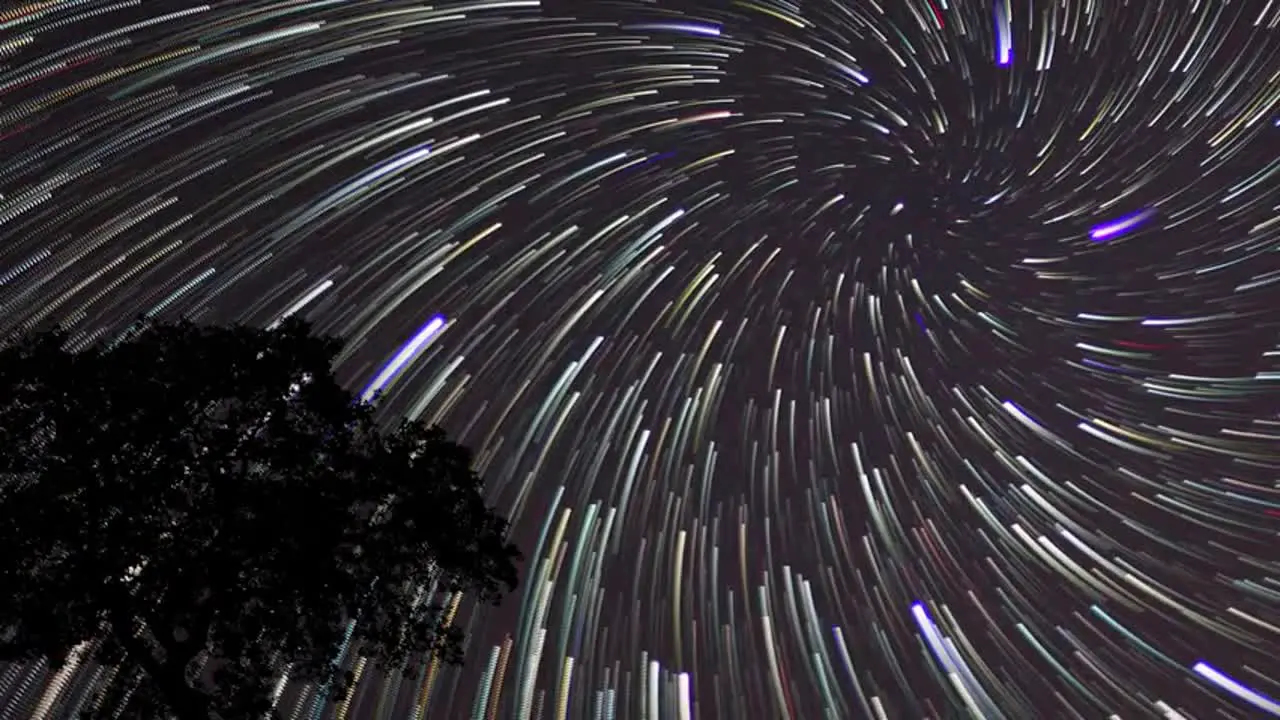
[[200, 507]]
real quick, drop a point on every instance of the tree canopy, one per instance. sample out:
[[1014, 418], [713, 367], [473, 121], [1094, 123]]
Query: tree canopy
[[200, 507]]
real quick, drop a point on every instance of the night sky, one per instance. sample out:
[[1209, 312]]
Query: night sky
[[833, 359]]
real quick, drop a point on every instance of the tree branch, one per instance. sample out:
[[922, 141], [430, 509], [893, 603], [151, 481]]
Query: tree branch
[[168, 677]]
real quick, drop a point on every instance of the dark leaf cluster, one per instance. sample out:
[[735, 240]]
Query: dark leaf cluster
[[199, 507]]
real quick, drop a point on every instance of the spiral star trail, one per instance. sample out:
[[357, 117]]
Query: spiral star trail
[[883, 359]]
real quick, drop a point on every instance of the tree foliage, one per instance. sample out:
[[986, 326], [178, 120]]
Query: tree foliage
[[199, 507]]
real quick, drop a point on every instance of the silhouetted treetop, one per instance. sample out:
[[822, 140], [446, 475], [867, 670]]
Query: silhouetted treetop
[[201, 507]]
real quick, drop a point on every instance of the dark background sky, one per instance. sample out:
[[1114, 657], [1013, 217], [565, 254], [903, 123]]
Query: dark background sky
[[743, 411]]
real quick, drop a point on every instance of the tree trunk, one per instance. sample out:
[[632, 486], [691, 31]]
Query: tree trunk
[[169, 679]]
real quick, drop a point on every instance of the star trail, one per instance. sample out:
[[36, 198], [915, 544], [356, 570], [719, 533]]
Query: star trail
[[836, 359]]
